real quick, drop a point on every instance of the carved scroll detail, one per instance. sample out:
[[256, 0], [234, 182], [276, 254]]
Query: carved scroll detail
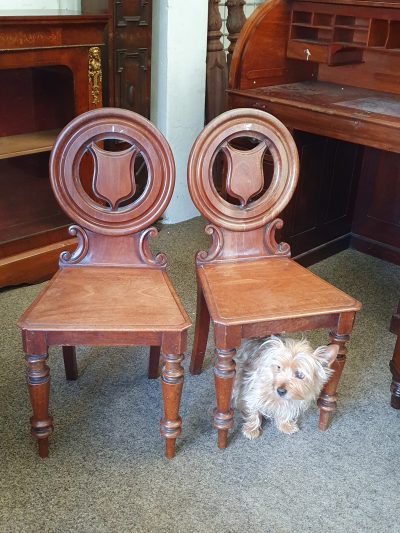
[[160, 260], [68, 258], [215, 248], [272, 246], [94, 72]]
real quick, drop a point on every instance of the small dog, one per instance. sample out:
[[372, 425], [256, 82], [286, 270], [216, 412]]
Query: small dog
[[279, 379]]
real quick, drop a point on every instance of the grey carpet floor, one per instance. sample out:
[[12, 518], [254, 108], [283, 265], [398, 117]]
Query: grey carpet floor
[[106, 471]]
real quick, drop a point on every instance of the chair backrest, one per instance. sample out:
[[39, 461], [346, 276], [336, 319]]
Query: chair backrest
[[112, 222], [245, 227]]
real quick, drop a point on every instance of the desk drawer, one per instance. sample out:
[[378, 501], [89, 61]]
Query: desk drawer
[[308, 52]]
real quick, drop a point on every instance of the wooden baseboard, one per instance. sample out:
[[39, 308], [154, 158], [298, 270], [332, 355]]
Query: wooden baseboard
[[33, 266], [322, 252], [375, 248]]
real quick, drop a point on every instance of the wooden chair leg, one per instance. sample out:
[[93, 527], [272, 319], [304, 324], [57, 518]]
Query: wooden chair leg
[[395, 370], [154, 362], [224, 374], [38, 379], [70, 363], [327, 401], [200, 333], [172, 383]]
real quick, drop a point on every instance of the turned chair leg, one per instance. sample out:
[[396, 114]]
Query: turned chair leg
[[154, 362], [224, 374], [327, 401], [38, 379], [172, 383], [395, 370], [200, 333], [70, 363]]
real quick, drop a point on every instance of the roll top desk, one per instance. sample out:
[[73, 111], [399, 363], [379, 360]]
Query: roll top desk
[[331, 72]]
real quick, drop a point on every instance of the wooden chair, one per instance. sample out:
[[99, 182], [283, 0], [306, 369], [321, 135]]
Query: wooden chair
[[247, 282], [110, 291], [395, 362]]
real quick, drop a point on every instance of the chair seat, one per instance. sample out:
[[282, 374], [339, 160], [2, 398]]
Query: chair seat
[[268, 289], [107, 299]]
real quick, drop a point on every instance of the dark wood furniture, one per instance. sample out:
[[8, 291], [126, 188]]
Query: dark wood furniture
[[50, 71], [128, 52], [329, 70], [395, 362], [247, 282], [110, 290]]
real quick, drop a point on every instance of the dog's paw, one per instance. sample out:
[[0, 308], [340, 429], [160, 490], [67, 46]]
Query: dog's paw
[[251, 433], [288, 427]]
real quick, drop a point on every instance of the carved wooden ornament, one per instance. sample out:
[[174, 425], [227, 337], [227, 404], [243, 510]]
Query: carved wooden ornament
[[113, 179], [244, 169]]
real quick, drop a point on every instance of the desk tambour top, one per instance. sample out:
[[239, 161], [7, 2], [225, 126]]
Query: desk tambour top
[[364, 116]]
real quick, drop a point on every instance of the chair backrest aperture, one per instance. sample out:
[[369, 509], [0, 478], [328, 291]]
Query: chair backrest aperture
[[243, 220], [93, 171]]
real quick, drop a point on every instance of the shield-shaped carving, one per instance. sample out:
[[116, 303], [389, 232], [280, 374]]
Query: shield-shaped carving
[[245, 175], [114, 176]]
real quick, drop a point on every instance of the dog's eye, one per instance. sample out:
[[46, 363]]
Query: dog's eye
[[278, 368], [299, 375]]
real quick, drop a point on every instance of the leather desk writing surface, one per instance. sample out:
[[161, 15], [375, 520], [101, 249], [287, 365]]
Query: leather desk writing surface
[[365, 116]]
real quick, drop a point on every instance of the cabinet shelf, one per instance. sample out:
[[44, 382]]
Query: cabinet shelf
[[27, 143], [330, 27], [309, 25]]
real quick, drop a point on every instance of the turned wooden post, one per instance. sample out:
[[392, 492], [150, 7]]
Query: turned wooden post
[[234, 23], [38, 379], [328, 397], [171, 384], [217, 70], [224, 375]]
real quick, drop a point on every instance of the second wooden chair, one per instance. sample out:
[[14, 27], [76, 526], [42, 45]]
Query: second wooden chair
[[247, 282]]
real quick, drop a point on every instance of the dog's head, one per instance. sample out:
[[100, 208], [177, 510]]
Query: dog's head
[[296, 371]]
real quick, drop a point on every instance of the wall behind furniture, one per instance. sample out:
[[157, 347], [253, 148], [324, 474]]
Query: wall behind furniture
[[178, 86]]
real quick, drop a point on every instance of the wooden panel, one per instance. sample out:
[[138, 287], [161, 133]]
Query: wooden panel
[[377, 214], [321, 209], [132, 90], [34, 265], [28, 143], [131, 43], [27, 203]]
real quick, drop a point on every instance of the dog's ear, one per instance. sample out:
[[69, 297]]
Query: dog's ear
[[326, 354]]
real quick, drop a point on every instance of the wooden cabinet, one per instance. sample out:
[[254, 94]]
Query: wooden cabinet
[[329, 71], [318, 219], [50, 71], [129, 51]]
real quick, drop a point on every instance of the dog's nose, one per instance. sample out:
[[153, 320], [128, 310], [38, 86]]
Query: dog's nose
[[281, 391]]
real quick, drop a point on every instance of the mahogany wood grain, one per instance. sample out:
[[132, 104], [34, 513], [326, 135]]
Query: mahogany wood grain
[[110, 290], [247, 282]]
